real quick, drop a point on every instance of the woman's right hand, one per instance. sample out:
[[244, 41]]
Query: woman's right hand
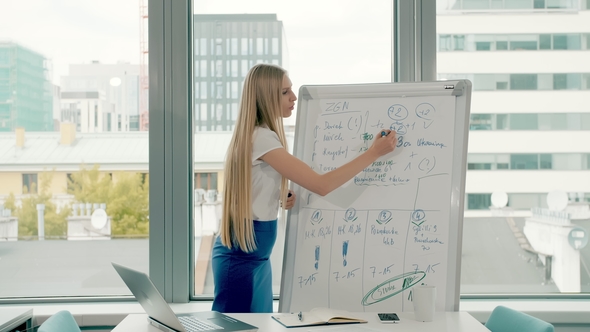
[[383, 145]]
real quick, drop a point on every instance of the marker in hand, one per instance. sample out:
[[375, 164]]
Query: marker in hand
[[383, 133]]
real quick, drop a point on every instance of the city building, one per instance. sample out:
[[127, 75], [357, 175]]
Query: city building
[[226, 46], [100, 97], [530, 116], [25, 89]]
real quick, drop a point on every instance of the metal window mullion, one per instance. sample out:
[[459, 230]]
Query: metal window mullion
[[182, 157], [414, 41], [170, 147], [157, 236], [403, 56], [427, 40]]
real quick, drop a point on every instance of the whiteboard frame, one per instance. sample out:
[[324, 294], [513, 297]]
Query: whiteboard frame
[[461, 89]]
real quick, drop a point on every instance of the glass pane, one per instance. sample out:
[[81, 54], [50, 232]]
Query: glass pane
[[479, 201], [545, 42], [481, 158], [459, 42], [545, 122], [545, 161], [558, 121], [338, 44], [501, 121], [482, 46], [517, 4], [501, 45], [567, 161], [476, 4], [444, 42], [481, 122], [539, 4], [545, 82], [523, 82], [74, 97], [574, 121], [524, 161], [523, 45], [523, 122]]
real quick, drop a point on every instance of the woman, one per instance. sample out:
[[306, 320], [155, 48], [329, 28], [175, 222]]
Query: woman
[[257, 169]]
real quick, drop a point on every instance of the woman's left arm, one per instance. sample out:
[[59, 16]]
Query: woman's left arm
[[290, 200]]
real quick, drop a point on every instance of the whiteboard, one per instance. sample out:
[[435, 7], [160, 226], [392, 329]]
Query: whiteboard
[[396, 224]]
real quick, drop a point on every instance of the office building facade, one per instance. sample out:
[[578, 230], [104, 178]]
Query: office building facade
[[100, 97], [225, 47], [25, 89], [530, 115]]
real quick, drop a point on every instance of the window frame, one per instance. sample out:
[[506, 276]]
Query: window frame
[[170, 147]]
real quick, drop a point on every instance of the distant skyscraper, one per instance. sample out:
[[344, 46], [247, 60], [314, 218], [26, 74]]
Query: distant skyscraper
[[225, 47], [25, 89]]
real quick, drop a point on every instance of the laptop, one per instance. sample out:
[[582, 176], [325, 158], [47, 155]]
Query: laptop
[[161, 315]]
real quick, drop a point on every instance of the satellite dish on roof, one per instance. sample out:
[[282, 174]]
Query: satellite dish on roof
[[98, 219], [499, 199], [557, 200]]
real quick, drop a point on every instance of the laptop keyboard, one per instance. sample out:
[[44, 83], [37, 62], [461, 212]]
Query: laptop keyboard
[[194, 324]]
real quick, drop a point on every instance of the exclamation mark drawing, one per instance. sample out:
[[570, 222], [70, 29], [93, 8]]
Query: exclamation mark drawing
[[344, 251], [317, 257]]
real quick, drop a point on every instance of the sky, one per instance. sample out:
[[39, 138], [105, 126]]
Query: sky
[[73, 31], [328, 41]]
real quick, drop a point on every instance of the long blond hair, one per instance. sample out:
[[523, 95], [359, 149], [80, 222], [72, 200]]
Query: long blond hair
[[260, 106]]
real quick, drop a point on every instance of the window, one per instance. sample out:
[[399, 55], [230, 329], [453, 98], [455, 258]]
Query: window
[[545, 42], [445, 42], [523, 122], [524, 161], [480, 161], [475, 4], [546, 161], [481, 122], [533, 93], [479, 201], [568, 161], [566, 42], [273, 37], [501, 121], [501, 45], [482, 46], [206, 181], [30, 184], [77, 108], [523, 82], [523, 42], [458, 42]]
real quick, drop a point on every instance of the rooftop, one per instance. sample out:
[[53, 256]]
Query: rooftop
[[113, 151]]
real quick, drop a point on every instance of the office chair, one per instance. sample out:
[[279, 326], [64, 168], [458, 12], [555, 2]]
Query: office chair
[[62, 321], [504, 319]]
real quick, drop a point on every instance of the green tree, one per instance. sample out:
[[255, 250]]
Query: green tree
[[55, 223], [127, 198], [128, 205], [89, 185]]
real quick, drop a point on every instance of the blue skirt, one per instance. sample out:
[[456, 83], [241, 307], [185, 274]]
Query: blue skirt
[[243, 281]]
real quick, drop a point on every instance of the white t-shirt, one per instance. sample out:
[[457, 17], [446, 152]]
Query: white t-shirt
[[266, 182]]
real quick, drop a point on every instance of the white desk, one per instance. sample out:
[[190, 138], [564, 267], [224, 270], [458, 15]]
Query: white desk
[[12, 318], [443, 322]]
